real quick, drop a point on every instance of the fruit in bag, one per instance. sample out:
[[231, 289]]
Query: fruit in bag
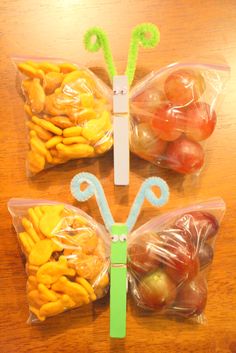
[[69, 113], [66, 256], [177, 106], [169, 258]]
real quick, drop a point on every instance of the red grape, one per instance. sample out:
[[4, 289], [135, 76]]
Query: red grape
[[184, 156], [145, 142], [157, 290], [178, 257], [200, 121], [198, 226], [184, 86], [205, 255], [149, 99], [191, 298], [168, 122], [143, 253]]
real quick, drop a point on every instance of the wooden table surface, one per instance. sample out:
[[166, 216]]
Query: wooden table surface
[[56, 28]]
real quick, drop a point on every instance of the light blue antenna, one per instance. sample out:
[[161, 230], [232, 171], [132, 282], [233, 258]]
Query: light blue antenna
[[119, 232]]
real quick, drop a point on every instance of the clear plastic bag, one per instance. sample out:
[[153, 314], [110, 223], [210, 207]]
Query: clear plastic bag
[[173, 113], [68, 110], [169, 258], [67, 256]]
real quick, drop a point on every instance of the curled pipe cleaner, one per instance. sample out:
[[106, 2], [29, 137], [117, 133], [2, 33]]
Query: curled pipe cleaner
[[94, 188], [101, 41], [145, 34]]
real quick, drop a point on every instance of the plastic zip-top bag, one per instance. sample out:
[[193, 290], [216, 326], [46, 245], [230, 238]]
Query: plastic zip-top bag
[[169, 258], [67, 256], [68, 112], [174, 112]]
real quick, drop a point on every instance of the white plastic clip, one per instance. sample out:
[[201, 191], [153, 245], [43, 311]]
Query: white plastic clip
[[121, 129]]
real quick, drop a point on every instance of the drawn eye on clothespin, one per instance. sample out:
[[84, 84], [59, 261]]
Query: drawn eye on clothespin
[[148, 36], [119, 233]]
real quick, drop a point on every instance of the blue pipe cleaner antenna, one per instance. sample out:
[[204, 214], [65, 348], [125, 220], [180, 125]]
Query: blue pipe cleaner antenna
[[94, 188]]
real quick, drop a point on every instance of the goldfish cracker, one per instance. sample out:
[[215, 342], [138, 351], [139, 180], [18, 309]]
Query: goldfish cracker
[[26, 242], [87, 286], [57, 307], [28, 110], [36, 96], [74, 151], [38, 145], [75, 139], [47, 125], [35, 299], [38, 212], [52, 209], [49, 158], [32, 280], [66, 68], [34, 219], [53, 142], [79, 221], [50, 107], [51, 271], [87, 266], [42, 133], [74, 290], [48, 67], [103, 281], [87, 100], [52, 80], [34, 64], [41, 252], [75, 76], [87, 239], [36, 160], [27, 70], [47, 294], [100, 249], [61, 121], [104, 146], [31, 270], [72, 131], [86, 114], [30, 230], [36, 312], [95, 129], [50, 220], [56, 245]]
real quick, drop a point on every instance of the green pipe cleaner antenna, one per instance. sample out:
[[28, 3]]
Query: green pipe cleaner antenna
[[94, 39], [146, 34]]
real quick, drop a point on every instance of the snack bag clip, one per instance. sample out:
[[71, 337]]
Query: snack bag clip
[[121, 84], [119, 233]]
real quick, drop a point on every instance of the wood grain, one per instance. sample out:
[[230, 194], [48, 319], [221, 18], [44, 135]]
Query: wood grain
[[55, 28]]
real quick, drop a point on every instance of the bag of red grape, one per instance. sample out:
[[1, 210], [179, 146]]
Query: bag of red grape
[[169, 259], [174, 111]]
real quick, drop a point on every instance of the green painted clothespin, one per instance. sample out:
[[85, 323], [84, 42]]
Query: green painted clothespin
[[119, 233], [147, 35]]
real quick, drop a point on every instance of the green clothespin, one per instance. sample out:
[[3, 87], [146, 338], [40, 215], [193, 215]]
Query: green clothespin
[[147, 35], [119, 233]]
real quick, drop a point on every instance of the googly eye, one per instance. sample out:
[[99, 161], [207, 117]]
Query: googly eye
[[114, 238], [123, 237]]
